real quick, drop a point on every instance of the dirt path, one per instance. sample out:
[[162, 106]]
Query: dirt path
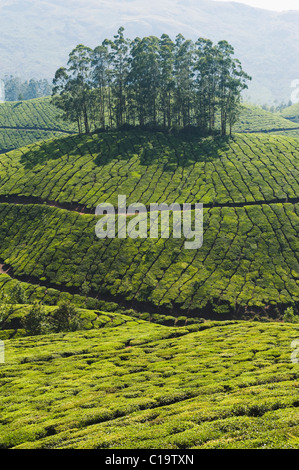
[[82, 210], [1, 269]]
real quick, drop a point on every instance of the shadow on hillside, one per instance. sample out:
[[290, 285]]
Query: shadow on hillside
[[43, 151], [170, 150], [150, 147], [183, 151]]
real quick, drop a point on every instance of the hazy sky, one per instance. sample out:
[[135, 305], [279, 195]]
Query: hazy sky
[[278, 5]]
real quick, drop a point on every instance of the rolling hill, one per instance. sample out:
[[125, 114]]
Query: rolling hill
[[255, 119], [248, 184], [291, 113]]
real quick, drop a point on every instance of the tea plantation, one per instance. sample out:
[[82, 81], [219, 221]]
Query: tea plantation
[[153, 167], [255, 119], [174, 348], [248, 259], [140, 385], [248, 185]]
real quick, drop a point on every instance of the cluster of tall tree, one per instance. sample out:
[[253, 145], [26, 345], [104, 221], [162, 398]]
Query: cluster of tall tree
[[17, 89], [151, 81]]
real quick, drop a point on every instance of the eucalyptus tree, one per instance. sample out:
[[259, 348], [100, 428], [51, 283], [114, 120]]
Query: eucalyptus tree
[[101, 80], [118, 56], [232, 80], [166, 79], [151, 81], [72, 88], [206, 67], [64, 98], [80, 75], [144, 78], [183, 80]]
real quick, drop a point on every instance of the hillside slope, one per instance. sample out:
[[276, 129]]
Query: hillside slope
[[82, 171], [255, 119], [249, 187]]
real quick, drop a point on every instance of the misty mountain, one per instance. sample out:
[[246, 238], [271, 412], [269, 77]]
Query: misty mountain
[[37, 35]]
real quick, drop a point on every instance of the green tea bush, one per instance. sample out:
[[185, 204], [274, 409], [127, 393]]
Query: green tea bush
[[228, 385], [289, 316], [35, 322], [65, 318], [84, 170]]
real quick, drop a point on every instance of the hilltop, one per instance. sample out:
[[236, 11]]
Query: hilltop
[[248, 185], [26, 122]]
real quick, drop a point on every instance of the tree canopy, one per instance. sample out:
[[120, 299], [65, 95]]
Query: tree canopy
[[152, 82]]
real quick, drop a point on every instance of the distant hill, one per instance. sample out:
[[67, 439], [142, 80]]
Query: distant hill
[[291, 113], [38, 113], [255, 119], [25, 122], [37, 35]]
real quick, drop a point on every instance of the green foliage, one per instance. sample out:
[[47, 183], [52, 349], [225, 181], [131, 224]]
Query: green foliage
[[6, 309], [65, 318], [148, 82], [90, 309], [289, 316], [35, 322], [17, 294], [85, 289]]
